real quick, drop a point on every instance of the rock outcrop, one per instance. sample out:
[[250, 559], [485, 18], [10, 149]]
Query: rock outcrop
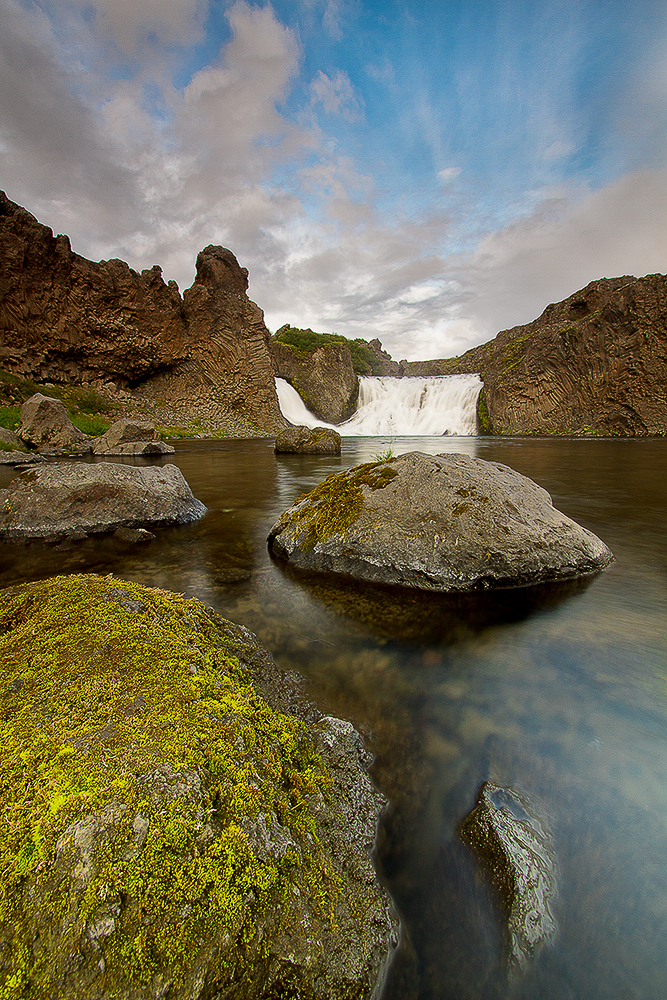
[[131, 437], [594, 363], [65, 498], [308, 441], [45, 424], [324, 378], [516, 850], [186, 826], [67, 319], [438, 523]]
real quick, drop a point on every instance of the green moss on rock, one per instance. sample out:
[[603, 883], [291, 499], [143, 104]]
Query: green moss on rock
[[337, 502], [137, 759]]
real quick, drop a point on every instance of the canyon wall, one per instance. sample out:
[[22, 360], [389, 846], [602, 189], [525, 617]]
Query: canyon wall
[[64, 318], [594, 363]]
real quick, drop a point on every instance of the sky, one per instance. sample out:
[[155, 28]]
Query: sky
[[424, 172]]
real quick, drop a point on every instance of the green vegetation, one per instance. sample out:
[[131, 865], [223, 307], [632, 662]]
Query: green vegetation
[[88, 410], [102, 681], [337, 502], [484, 425], [305, 342], [515, 352]]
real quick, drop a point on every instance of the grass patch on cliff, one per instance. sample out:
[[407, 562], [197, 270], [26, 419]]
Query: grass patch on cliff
[[101, 682], [306, 342]]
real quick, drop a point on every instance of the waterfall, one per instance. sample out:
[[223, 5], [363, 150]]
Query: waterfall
[[444, 404]]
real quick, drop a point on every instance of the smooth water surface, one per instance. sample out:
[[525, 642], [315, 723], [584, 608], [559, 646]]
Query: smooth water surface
[[562, 695]]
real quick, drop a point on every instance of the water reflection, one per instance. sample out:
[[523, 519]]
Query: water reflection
[[565, 701]]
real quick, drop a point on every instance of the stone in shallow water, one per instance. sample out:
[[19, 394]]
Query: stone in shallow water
[[515, 847], [436, 522], [58, 499], [308, 441]]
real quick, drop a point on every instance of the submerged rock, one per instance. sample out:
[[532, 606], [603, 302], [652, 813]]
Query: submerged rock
[[440, 523], [131, 437], [45, 424], [308, 441], [515, 847], [178, 821], [58, 499]]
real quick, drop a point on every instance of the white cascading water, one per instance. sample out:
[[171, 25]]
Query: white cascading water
[[444, 404]]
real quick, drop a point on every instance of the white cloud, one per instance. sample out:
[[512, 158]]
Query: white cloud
[[448, 174], [336, 95]]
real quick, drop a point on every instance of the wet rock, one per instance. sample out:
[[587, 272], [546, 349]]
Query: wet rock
[[308, 441], [131, 437], [56, 500], [45, 423], [515, 847], [439, 523], [202, 830]]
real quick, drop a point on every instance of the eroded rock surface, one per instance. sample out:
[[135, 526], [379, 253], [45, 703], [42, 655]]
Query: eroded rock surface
[[325, 379], [594, 363], [131, 437], [62, 498], [516, 849], [191, 828], [67, 319], [308, 441], [45, 424], [441, 523]]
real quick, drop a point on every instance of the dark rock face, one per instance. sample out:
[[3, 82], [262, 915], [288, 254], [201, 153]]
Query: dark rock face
[[383, 363], [325, 379], [515, 848], [131, 437], [594, 363], [203, 832], [70, 497], [68, 319], [439, 523], [308, 441], [45, 423]]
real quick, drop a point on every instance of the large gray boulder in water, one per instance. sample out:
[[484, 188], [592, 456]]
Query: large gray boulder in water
[[72, 497], [514, 845], [436, 522]]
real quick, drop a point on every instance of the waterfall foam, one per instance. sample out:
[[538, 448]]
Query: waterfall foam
[[444, 404]]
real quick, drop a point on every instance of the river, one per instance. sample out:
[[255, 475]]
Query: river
[[563, 696]]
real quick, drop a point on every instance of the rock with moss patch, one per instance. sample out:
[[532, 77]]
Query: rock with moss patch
[[45, 424], [178, 822], [55, 500], [439, 523], [303, 440], [515, 847]]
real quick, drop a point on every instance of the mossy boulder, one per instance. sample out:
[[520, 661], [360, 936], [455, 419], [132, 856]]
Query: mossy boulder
[[177, 822], [435, 522], [303, 440]]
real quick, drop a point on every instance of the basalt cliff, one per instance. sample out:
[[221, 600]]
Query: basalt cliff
[[64, 318], [595, 363]]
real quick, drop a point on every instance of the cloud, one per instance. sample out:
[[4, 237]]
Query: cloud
[[448, 174], [336, 95]]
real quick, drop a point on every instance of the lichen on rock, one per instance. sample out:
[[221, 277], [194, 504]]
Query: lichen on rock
[[167, 829]]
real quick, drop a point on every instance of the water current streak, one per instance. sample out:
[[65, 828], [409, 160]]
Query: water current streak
[[446, 404]]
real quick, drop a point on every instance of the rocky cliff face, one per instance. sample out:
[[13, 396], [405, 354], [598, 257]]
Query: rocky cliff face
[[325, 379], [594, 363], [64, 319]]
